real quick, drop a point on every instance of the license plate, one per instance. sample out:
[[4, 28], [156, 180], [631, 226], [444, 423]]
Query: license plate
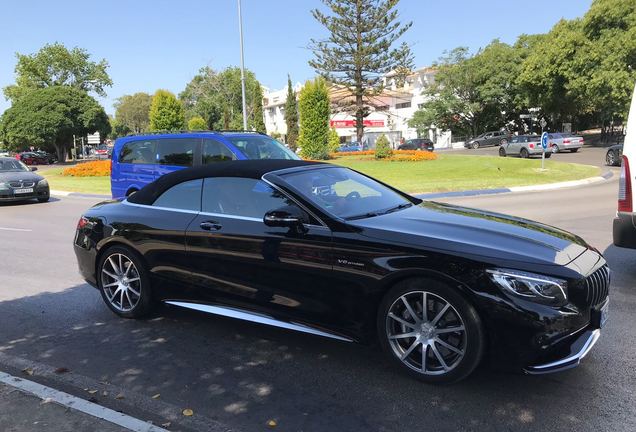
[[604, 314], [23, 191]]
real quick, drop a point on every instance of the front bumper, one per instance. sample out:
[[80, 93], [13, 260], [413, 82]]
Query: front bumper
[[578, 349], [7, 195]]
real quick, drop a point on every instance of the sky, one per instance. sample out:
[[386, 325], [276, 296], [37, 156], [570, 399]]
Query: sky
[[162, 44]]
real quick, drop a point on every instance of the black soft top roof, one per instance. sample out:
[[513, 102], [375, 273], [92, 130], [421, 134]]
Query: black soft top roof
[[243, 168]]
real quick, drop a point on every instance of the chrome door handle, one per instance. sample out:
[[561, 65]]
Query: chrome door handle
[[210, 226]]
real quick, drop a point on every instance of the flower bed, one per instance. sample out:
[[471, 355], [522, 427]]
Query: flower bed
[[398, 155], [89, 169]]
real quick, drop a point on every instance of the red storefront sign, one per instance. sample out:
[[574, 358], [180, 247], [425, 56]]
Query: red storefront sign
[[352, 123]]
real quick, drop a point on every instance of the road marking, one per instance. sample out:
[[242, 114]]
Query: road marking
[[67, 400], [15, 229]]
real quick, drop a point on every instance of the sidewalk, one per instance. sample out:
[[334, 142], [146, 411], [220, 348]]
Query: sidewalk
[[20, 412]]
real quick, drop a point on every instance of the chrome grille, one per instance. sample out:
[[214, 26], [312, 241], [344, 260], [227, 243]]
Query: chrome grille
[[22, 184], [597, 286]]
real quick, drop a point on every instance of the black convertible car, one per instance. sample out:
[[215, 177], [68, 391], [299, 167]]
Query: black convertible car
[[326, 250]]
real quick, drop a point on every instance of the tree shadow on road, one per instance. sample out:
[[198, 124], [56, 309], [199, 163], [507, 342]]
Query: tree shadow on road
[[244, 374]]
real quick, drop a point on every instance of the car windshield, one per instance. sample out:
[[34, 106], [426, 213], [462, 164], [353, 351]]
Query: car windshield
[[345, 193], [12, 166], [262, 147]]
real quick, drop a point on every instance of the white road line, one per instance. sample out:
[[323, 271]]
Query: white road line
[[15, 229], [67, 400]]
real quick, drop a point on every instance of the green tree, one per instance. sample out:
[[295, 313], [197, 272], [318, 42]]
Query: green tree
[[49, 117], [197, 123], [133, 111], [360, 50], [117, 129], [56, 65], [334, 141], [383, 148], [291, 115], [313, 104], [217, 98], [166, 112]]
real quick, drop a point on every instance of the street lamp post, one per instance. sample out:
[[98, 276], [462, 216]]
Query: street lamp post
[[240, 19]]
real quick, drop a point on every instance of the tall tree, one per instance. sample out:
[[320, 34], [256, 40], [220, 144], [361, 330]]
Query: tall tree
[[49, 117], [360, 50], [133, 111], [197, 123], [313, 103], [291, 115], [56, 65], [166, 112], [217, 98]]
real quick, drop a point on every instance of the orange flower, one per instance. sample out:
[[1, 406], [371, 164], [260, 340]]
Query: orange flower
[[98, 168]]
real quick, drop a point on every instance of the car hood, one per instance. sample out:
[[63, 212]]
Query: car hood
[[474, 234], [19, 175]]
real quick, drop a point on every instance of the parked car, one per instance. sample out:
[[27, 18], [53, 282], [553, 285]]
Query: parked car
[[624, 227], [326, 250], [417, 144], [18, 182], [140, 159], [614, 155], [32, 158], [4, 153], [48, 157], [350, 147], [101, 150], [562, 141], [523, 146], [493, 138]]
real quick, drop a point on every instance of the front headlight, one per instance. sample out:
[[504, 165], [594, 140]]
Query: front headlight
[[535, 287], [43, 182]]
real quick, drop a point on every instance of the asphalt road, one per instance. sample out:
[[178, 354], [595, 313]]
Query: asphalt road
[[238, 376]]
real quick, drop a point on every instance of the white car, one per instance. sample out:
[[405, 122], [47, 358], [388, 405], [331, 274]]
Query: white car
[[624, 230], [4, 153]]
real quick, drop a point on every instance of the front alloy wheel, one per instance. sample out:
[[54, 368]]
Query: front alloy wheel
[[432, 332], [123, 283], [475, 145], [610, 158]]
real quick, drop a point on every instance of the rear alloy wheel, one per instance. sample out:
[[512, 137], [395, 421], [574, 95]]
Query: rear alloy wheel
[[610, 158], [574, 150], [124, 283], [555, 148], [524, 153], [430, 331], [475, 145], [502, 152]]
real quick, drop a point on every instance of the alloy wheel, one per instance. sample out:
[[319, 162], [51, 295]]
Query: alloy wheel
[[426, 333], [121, 282], [609, 159]]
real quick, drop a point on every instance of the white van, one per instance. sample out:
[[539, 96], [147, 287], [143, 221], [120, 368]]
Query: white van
[[624, 229]]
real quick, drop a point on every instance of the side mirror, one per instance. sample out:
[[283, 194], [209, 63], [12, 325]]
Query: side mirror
[[288, 216], [34, 168]]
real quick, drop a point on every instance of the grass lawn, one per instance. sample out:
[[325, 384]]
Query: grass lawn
[[91, 185], [448, 173], [464, 172]]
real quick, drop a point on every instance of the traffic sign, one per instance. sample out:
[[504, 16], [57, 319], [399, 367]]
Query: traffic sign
[[544, 140]]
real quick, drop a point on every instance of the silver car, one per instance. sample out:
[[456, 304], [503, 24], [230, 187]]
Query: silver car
[[558, 142], [523, 146]]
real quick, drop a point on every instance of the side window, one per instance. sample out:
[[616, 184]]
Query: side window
[[214, 151], [237, 196], [515, 140], [138, 152], [183, 196], [176, 151]]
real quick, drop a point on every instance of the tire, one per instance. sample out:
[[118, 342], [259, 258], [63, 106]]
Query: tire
[[135, 300], [574, 150], [547, 155], [502, 152], [131, 192], [44, 199], [555, 148], [475, 145], [611, 158], [523, 153], [442, 364]]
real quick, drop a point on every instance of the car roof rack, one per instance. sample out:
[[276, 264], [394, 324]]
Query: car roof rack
[[168, 132]]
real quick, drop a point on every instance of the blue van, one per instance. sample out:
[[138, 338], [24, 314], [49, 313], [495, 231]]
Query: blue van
[[140, 159]]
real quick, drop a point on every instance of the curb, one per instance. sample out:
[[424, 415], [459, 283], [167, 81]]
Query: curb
[[78, 194], [533, 188]]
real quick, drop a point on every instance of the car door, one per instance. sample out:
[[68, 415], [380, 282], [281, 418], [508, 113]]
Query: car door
[[485, 141], [237, 260]]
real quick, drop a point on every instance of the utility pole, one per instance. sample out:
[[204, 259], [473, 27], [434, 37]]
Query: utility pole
[[242, 66]]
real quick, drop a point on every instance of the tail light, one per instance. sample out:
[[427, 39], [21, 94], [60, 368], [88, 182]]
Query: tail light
[[531, 145], [566, 141], [625, 188], [81, 223]]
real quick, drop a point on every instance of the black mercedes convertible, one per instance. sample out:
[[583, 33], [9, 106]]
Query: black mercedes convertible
[[326, 250]]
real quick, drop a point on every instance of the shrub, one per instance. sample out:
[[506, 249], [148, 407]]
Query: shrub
[[197, 123], [166, 112], [383, 148], [334, 141], [313, 104], [89, 169], [397, 156]]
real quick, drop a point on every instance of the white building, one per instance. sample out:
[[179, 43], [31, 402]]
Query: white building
[[390, 111]]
